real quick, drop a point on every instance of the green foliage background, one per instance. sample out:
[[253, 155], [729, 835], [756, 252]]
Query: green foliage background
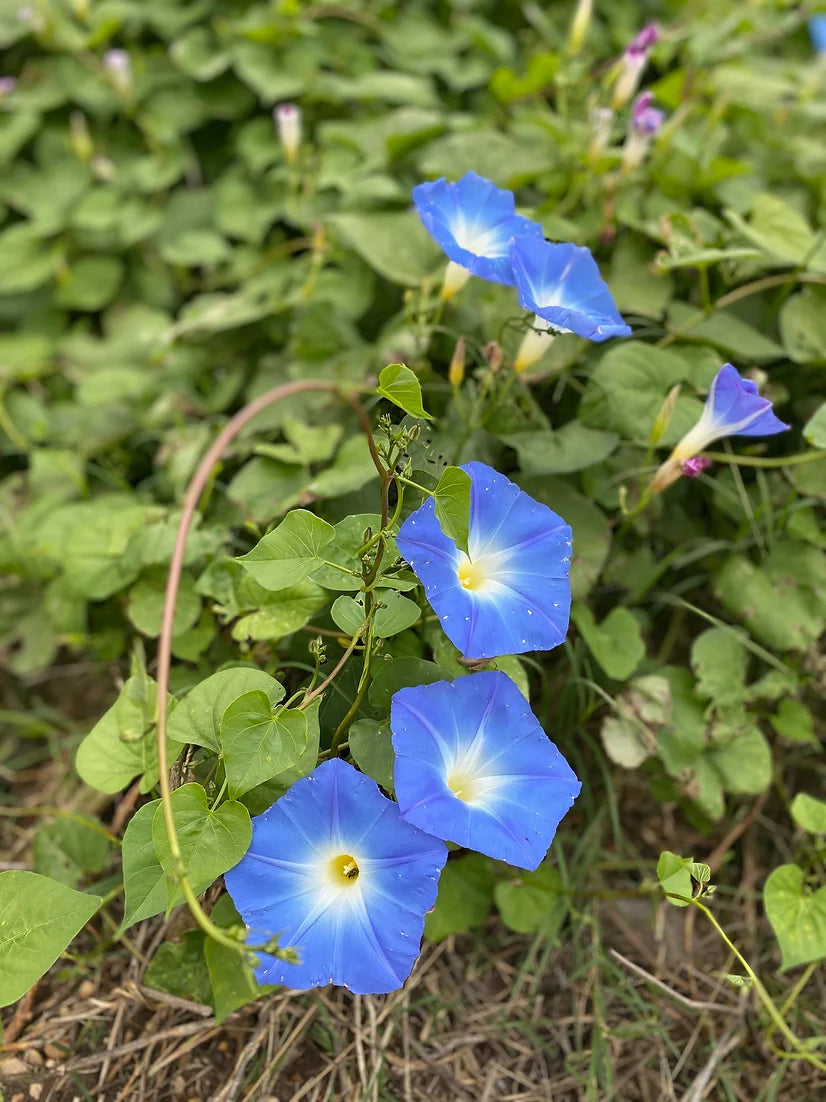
[[161, 264]]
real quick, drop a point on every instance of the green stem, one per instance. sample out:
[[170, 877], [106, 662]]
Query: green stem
[[217, 799], [765, 998], [343, 727], [767, 461]]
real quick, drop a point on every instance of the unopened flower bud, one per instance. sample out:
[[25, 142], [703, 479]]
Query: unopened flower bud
[[494, 356], [119, 66], [663, 418], [287, 118], [80, 140], [535, 344], [695, 466], [602, 121], [7, 85], [579, 26], [456, 371], [632, 63], [455, 278], [645, 122]]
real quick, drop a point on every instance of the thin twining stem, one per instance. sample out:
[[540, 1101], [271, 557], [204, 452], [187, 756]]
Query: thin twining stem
[[195, 489]]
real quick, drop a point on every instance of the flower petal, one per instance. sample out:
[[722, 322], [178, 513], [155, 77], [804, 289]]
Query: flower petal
[[562, 284], [503, 787], [365, 933]]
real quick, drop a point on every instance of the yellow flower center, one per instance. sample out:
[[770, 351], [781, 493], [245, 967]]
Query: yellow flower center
[[472, 575], [344, 869], [463, 785]]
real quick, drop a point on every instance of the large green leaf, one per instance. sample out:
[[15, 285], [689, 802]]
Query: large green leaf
[[616, 643], [259, 741], [290, 552], [451, 499], [396, 245], [211, 841], [38, 919], [144, 881], [197, 719], [797, 914], [399, 385]]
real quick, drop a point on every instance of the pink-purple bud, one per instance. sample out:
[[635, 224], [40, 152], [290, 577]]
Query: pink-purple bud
[[644, 118], [7, 85], [644, 39], [692, 467], [632, 63]]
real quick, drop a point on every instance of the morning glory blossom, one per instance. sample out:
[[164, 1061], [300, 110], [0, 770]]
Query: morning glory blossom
[[562, 286], [512, 593], [474, 766], [336, 874], [473, 221], [733, 408], [817, 32]]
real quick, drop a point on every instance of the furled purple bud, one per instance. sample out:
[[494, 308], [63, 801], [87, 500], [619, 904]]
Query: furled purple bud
[[695, 466], [645, 122], [645, 118], [632, 63], [7, 85]]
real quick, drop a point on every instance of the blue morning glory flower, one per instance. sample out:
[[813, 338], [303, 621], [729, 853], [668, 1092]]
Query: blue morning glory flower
[[817, 32], [561, 284], [733, 408], [512, 594], [334, 871], [473, 221], [474, 766]]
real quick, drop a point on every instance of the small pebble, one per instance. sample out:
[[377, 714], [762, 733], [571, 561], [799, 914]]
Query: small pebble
[[12, 1065]]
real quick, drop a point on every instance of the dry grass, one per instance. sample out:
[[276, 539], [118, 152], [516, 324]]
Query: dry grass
[[630, 1003]]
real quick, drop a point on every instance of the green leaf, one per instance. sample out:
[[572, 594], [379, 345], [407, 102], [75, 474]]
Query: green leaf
[[399, 385], [146, 601], [197, 719], [179, 968], [803, 326], [39, 917], [396, 245], [68, 848], [281, 613], [744, 763], [778, 228], [571, 448], [231, 979], [259, 741], [794, 722], [797, 915], [211, 841], [451, 498], [627, 388], [719, 661], [616, 643], [674, 876], [815, 428], [630, 735], [290, 552], [91, 283], [400, 674], [809, 813], [144, 881], [725, 331], [395, 613], [260, 798], [371, 746], [464, 900], [122, 744], [533, 903]]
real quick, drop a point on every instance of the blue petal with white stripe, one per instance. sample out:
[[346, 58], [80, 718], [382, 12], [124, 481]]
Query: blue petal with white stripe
[[474, 221], [512, 593], [335, 872], [474, 766], [561, 284]]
